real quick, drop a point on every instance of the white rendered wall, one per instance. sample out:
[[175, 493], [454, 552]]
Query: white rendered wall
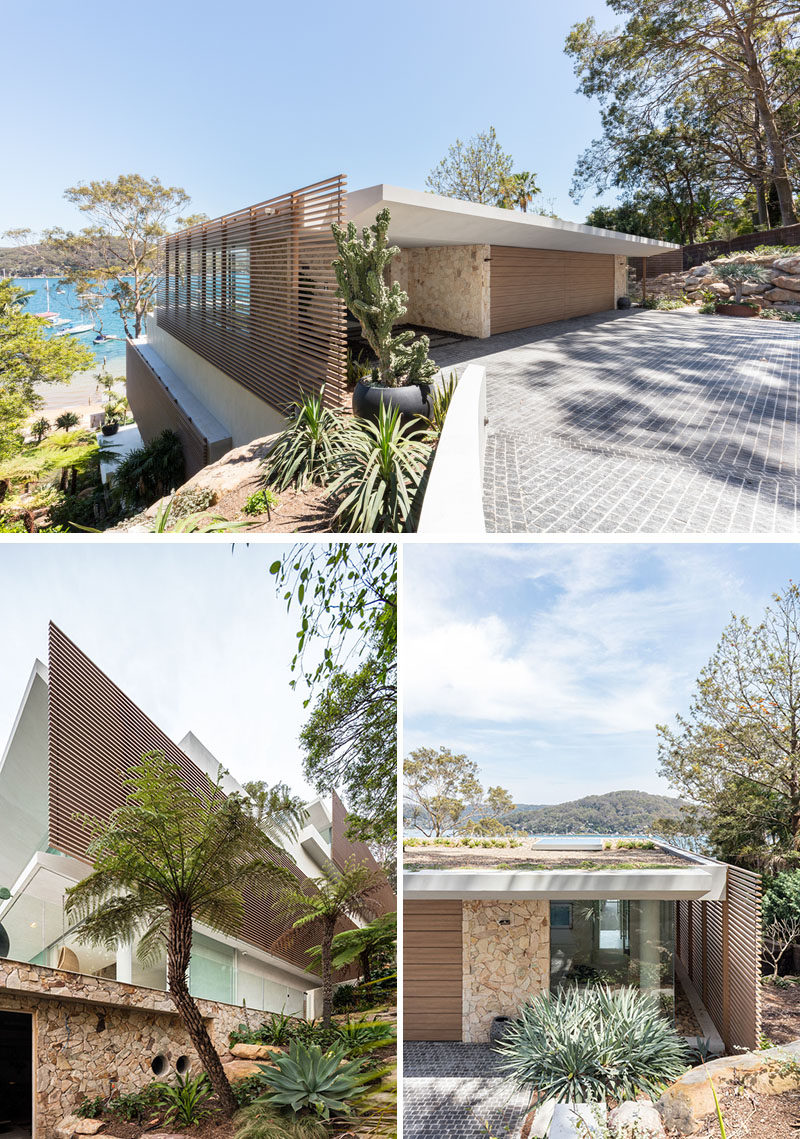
[[245, 415]]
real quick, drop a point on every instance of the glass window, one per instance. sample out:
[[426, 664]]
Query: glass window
[[211, 970], [614, 943]]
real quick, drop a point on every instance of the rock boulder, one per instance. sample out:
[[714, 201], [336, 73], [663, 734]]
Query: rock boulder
[[636, 1120]]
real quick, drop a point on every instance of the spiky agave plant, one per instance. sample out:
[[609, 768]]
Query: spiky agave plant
[[583, 1045], [306, 1078]]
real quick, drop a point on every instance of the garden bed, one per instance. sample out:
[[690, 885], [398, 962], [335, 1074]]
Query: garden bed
[[780, 1013], [528, 856], [751, 1116]]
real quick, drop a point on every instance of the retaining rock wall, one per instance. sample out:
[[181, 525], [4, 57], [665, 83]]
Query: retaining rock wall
[[781, 291]]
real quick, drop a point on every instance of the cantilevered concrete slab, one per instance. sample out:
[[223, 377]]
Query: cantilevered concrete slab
[[420, 219]]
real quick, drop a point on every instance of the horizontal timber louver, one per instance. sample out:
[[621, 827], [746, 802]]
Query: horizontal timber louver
[[432, 970], [719, 944], [96, 735], [254, 293]]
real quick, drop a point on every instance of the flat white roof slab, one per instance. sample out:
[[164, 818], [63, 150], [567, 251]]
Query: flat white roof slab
[[705, 883], [420, 219]]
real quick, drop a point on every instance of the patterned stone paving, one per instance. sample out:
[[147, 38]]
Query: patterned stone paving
[[456, 1091], [641, 422]]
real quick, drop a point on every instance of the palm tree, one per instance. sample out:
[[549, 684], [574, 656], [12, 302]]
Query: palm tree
[[67, 420], [40, 429], [378, 940], [518, 190], [321, 903], [169, 857]]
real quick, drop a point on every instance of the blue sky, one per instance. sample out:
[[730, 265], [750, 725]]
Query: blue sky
[[550, 664], [238, 103], [190, 631]]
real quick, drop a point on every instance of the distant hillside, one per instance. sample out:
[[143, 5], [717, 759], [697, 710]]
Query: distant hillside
[[618, 812], [41, 260]]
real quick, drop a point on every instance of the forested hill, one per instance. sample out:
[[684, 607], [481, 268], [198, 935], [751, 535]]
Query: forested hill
[[618, 812]]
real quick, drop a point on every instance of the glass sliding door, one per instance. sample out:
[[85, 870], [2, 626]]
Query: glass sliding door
[[614, 942]]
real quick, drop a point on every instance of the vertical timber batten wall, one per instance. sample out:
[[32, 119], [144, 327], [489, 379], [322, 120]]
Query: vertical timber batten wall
[[254, 293], [719, 943]]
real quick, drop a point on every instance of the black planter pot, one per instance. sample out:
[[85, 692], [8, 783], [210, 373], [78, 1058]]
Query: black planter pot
[[4, 942], [623, 302], [415, 399], [500, 1026], [110, 429]]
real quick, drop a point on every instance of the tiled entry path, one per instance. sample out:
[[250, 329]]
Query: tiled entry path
[[456, 1091], [641, 421]]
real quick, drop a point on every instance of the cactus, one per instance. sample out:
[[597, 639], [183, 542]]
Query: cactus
[[359, 270]]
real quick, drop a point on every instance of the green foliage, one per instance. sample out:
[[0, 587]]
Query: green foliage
[[276, 1030], [40, 428], [360, 271], [443, 791], [372, 945], [352, 998], [441, 397], [90, 1108], [306, 452], [517, 191], [261, 502], [363, 1035], [164, 523], [616, 812], [186, 1101], [28, 356], [379, 472], [346, 594], [779, 314], [150, 471], [247, 1089], [67, 420], [193, 500], [737, 273], [264, 1120], [12, 525], [664, 303], [477, 170], [306, 1078], [586, 1044], [133, 1107], [128, 216]]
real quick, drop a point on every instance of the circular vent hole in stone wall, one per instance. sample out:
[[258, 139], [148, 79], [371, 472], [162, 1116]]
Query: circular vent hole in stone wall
[[182, 1065], [159, 1064]]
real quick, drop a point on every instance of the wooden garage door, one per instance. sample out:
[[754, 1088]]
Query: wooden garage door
[[432, 970], [535, 286]]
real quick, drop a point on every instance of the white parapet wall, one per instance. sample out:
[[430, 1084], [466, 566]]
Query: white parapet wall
[[453, 501]]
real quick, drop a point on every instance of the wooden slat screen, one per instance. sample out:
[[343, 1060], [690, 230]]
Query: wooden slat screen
[[254, 293], [432, 970], [156, 410], [96, 735], [719, 943], [537, 286]]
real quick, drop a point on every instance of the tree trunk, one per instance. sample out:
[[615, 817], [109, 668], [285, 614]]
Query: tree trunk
[[179, 948], [775, 147], [365, 969], [327, 973]]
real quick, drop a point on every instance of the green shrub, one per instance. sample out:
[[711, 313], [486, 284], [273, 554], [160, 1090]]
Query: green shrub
[[305, 452], [276, 1030], [134, 1106], [262, 502], [193, 500], [263, 1120], [362, 1035], [441, 397], [308, 1032], [90, 1108], [306, 1078], [587, 1044], [737, 273], [149, 472], [186, 1101], [664, 303], [247, 1089], [379, 473], [779, 314]]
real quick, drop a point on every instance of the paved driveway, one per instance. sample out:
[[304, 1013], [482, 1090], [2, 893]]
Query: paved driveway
[[456, 1091], [641, 421]]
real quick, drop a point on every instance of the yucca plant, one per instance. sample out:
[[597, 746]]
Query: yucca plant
[[305, 452], [306, 1078], [441, 396], [581, 1045], [186, 1100], [379, 473], [737, 273]]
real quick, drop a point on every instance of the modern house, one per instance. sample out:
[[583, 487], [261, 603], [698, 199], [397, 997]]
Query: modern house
[[485, 930], [247, 315], [79, 1020]]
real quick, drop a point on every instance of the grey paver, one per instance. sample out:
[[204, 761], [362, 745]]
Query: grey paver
[[643, 422], [457, 1091]]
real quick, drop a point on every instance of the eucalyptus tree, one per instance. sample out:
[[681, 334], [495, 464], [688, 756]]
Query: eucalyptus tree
[[473, 171], [169, 857], [667, 48]]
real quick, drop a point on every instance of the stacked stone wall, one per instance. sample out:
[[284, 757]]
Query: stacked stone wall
[[781, 289], [506, 960], [447, 286]]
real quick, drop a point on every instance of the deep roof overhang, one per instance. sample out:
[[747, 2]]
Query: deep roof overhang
[[421, 219]]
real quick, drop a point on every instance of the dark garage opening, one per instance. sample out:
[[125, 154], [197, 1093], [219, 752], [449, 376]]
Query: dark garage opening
[[16, 1075]]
